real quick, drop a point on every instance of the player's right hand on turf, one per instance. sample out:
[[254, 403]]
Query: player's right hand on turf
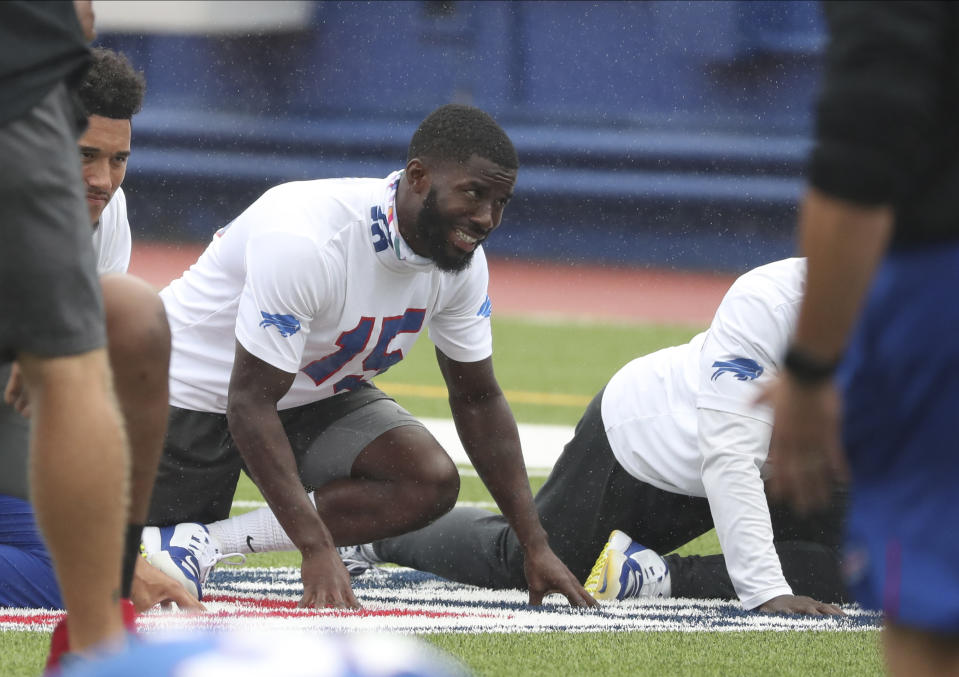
[[798, 604], [326, 582], [545, 573]]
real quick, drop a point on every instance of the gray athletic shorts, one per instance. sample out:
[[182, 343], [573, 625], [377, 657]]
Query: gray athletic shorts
[[200, 465], [50, 301]]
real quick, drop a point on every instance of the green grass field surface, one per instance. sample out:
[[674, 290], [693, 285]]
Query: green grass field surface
[[550, 370]]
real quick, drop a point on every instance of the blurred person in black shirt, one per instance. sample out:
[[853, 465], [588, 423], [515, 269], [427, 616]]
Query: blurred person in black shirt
[[872, 376]]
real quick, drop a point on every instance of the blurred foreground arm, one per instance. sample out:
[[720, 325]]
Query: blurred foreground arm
[[878, 141], [843, 242]]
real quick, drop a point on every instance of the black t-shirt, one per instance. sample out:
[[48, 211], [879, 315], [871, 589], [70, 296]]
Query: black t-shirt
[[887, 123], [41, 44]]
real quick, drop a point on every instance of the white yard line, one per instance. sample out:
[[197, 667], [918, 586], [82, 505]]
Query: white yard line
[[542, 444]]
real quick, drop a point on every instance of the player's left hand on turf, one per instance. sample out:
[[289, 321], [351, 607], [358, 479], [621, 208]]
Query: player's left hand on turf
[[545, 574], [798, 604], [151, 587]]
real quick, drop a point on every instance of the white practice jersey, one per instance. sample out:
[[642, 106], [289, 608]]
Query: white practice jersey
[[315, 279], [111, 236], [684, 419]]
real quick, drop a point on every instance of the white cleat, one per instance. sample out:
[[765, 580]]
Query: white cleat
[[358, 559], [626, 569], [186, 552]]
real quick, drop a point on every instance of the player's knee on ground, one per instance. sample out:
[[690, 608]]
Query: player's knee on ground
[[137, 329]]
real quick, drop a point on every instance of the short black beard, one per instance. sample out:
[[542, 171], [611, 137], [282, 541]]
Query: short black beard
[[432, 230]]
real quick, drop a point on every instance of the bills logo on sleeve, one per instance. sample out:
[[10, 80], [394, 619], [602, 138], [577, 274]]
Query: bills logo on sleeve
[[742, 369], [486, 309], [287, 325]]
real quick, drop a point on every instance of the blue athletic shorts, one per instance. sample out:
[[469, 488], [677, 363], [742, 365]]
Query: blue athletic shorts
[[900, 382], [26, 573]]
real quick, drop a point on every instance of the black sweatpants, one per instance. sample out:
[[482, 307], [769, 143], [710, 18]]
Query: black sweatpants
[[587, 495]]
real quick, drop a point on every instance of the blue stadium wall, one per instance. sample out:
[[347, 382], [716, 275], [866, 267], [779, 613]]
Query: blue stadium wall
[[669, 134]]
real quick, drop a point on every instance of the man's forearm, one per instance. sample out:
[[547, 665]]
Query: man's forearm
[[733, 448], [843, 243], [265, 448], [491, 439]]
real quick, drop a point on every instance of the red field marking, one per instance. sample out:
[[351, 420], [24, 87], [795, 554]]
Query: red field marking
[[540, 289], [160, 262], [611, 293], [291, 607], [33, 617]]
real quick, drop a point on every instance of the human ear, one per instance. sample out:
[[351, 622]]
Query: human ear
[[418, 176]]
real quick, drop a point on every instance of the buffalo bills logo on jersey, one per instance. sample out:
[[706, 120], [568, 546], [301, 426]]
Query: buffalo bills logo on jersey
[[286, 324], [378, 229], [486, 309], [742, 368]]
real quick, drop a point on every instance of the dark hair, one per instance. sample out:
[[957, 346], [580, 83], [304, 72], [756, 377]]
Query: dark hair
[[457, 132], [112, 88]]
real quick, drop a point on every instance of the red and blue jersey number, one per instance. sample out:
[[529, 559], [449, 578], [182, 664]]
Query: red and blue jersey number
[[354, 341]]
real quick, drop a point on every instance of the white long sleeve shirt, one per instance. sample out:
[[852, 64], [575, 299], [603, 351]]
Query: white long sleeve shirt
[[684, 419]]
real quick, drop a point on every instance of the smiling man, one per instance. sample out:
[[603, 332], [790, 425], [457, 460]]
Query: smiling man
[[282, 323]]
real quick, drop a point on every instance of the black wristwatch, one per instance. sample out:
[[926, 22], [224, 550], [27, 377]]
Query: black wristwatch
[[806, 369]]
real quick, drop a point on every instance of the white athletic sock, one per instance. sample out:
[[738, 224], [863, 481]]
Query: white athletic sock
[[255, 531]]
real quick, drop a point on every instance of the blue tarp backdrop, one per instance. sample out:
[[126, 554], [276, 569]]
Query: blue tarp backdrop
[[650, 133]]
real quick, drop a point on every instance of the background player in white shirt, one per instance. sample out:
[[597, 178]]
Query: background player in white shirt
[[138, 348], [286, 317], [685, 421]]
